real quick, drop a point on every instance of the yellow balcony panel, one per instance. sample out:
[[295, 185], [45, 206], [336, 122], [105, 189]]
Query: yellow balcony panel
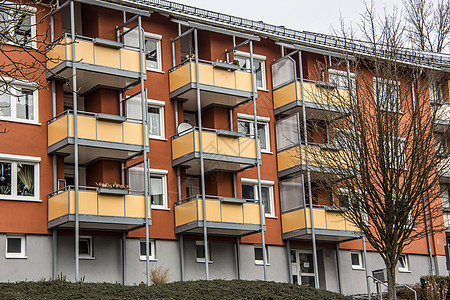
[[218, 86], [224, 216], [98, 209], [222, 150], [99, 63], [321, 100], [99, 136], [322, 160], [329, 225]]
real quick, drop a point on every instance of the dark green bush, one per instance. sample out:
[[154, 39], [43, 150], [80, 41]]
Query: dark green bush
[[443, 281], [214, 289]]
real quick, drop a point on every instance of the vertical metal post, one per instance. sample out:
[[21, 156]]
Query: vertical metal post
[[234, 186], [75, 116], [259, 159], [175, 108], [55, 158], [145, 160], [55, 253], [238, 258], [182, 255], [202, 165], [338, 268], [231, 119], [288, 254], [308, 175], [366, 267], [124, 258]]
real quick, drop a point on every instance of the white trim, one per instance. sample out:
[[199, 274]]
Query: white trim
[[158, 39], [156, 102], [158, 105], [14, 160], [252, 118], [255, 181], [90, 255], [264, 183], [152, 257], [163, 175], [20, 158], [11, 86], [360, 266], [157, 171], [259, 262], [247, 55], [22, 253], [406, 261]]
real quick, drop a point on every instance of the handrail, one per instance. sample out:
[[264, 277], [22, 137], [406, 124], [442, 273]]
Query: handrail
[[88, 113], [84, 38], [195, 128], [402, 285], [84, 188], [190, 59], [208, 197]]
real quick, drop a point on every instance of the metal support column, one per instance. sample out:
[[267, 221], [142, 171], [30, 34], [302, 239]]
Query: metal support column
[[258, 161], [366, 267], [338, 268], [55, 253], [238, 258], [202, 165], [124, 258], [175, 108], [288, 254], [308, 175], [182, 255]]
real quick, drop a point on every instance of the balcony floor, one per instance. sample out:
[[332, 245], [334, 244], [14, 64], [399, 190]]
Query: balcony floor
[[322, 235], [213, 162], [313, 110], [91, 222], [219, 228]]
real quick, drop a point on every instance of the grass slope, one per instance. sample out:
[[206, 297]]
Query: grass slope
[[214, 289]]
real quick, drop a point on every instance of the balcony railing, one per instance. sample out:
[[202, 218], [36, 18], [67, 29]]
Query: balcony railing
[[224, 216], [219, 85], [222, 150], [107, 209]]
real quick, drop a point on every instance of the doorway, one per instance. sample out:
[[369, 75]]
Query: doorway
[[302, 267]]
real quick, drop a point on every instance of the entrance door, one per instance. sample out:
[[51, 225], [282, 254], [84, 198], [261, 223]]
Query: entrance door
[[302, 267]]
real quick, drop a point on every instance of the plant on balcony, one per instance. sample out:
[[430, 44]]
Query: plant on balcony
[[113, 186], [25, 186], [5, 190]]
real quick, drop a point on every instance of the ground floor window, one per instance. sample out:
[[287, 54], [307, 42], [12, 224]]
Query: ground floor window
[[200, 251], [142, 247], [15, 246]]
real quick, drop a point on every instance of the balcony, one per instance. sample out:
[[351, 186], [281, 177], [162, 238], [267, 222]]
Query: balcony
[[444, 168], [222, 151], [219, 84], [443, 118], [98, 209], [224, 216], [99, 136], [99, 62]]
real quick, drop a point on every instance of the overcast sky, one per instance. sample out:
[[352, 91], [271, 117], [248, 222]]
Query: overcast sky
[[309, 15]]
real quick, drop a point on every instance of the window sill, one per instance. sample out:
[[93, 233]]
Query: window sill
[[20, 199], [257, 263], [87, 258], [358, 269], [15, 257], [159, 208], [404, 271], [152, 137], [202, 261], [266, 152], [262, 89], [155, 70], [143, 258], [24, 121], [271, 217]]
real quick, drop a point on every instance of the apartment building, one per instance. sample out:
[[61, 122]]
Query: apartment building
[[207, 98]]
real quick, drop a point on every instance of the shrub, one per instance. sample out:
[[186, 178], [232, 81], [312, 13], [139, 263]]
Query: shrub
[[159, 275], [435, 287]]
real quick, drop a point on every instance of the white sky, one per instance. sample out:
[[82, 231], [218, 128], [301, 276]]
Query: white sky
[[309, 15]]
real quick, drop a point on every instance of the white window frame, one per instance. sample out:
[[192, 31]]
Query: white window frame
[[264, 183], [435, 92], [161, 174], [339, 73], [387, 139], [18, 159], [152, 245], [28, 10], [261, 121], [160, 105], [360, 266], [90, 240], [385, 82], [22, 253], [258, 57], [12, 86], [158, 38], [259, 262], [404, 269], [202, 259]]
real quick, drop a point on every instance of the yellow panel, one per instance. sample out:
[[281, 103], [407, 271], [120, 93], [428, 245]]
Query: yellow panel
[[284, 95], [288, 158], [109, 131], [111, 205], [105, 56], [57, 130], [72, 202], [247, 147], [129, 60], [232, 212], [251, 213], [132, 133], [212, 210], [446, 90], [319, 218], [228, 145], [134, 206], [310, 91], [293, 220], [87, 203], [243, 81], [209, 142], [206, 74], [71, 125], [223, 78], [57, 55], [186, 212], [84, 52], [180, 77], [86, 127], [69, 48], [58, 206], [182, 145], [335, 221]]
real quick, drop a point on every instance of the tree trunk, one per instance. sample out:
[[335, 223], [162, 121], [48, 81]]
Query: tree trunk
[[392, 295]]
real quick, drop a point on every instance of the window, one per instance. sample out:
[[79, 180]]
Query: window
[[445, 195], [440, 141], [403, 263], [394, 148], [158, 184], [19, 179], [259, 64], [340, 79], [259, 260], [153, 51], [15, 246], [250, 191], [18, 102], [357, 262], [435, 92], [155, 118], [246, 126], [200, 251], [386, 93], [142, 250], [18, 22], [86, 247]]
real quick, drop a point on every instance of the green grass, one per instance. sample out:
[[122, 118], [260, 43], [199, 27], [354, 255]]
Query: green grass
[[214, 289]]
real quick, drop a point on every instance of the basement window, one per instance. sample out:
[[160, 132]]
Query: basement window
[[142, 252], [15, 246]]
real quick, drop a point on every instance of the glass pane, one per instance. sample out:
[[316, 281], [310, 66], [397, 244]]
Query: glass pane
[[154, 120], [308, 280], [401, 262], [293, 256], [25, 180], [283, 72], [25, 105], [248, 192], [5, 178], [258, 73], [136, 178], [200, 251], [5, 104], [244, 127], [134, 108], [242, 62], [84, 247], [262, 136], [151, 53], [306, 263], [266, 199], [291, 193], [131, 38], [258, 253], [355, 259], [156, 184], [14, 245], [22, 28], [142, 248], [287, 132]]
